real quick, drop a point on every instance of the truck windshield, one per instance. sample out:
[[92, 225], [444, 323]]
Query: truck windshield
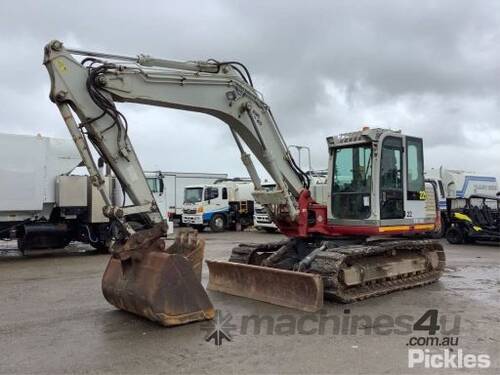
[[352, 176], [193, 195]]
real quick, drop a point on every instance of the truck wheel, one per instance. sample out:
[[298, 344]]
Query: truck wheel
[[454, 236], [100, 246], [217, 223], [469, 240], [21, 245], [270, 230]]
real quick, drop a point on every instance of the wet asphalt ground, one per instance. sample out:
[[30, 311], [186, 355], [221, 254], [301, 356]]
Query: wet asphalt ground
[[54, 320]]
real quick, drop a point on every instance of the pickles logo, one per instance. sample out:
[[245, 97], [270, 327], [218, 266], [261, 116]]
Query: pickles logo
[[425, 358], [437, 337], [219, 329]]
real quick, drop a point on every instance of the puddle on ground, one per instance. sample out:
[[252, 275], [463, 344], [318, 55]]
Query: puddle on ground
[[480, 282]]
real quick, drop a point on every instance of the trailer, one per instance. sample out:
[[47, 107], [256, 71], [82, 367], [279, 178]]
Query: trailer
[[225, 204]]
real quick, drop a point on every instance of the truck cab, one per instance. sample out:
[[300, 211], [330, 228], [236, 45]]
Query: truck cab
[[156, 184], [261, 219], [222, 205], [202, 203]]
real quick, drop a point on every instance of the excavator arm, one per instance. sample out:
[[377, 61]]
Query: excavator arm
[[145, 275], [90, 87]]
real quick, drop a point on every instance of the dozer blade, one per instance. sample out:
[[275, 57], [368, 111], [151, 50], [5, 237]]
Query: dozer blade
[[298, 290], [161, 283]]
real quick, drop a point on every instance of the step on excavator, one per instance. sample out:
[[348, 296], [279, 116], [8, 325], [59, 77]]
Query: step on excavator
[[347, 249]]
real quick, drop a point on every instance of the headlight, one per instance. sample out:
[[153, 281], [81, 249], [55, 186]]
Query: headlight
[[199, 210]]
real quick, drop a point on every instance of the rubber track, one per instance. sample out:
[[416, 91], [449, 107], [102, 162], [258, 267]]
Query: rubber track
[[330, 262], [336, 290], [378, 289]]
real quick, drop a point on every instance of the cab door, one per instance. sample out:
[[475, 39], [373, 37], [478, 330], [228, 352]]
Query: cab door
[[391, 179], [157, 189], [416, 195], [212, 198]]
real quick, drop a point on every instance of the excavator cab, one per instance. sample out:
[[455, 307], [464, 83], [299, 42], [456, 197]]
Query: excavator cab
[[377, 183], [376, 187]]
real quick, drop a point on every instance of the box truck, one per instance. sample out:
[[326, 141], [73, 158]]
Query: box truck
[[43, 206]]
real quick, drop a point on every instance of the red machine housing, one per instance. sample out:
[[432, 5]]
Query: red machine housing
[[313, 220]]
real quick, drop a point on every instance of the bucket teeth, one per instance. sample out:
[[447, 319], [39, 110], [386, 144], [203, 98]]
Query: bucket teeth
[[147, 277], [191, 247]]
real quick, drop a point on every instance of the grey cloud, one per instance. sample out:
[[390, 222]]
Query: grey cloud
[[428, 67]]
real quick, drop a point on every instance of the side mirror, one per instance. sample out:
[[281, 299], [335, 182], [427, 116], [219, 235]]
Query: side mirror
[[162, 186]]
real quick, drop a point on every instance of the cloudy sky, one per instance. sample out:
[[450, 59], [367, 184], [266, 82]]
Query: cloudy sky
[[430, 68]]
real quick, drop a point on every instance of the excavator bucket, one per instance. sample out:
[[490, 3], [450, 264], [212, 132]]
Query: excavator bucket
[[147, 277], [297, 290]]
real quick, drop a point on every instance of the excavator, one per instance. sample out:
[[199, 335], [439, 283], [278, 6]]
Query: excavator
[[353, 247]]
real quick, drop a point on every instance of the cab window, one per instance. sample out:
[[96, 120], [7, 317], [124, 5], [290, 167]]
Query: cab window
[[352, 176], [224, 193], [390, 166], [415, 164], [211, 193]]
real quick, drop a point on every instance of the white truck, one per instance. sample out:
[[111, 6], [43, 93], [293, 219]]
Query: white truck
[[261, 220], [450, 183], [225, 204], [43, 206], [174, 184], [319, 191]]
